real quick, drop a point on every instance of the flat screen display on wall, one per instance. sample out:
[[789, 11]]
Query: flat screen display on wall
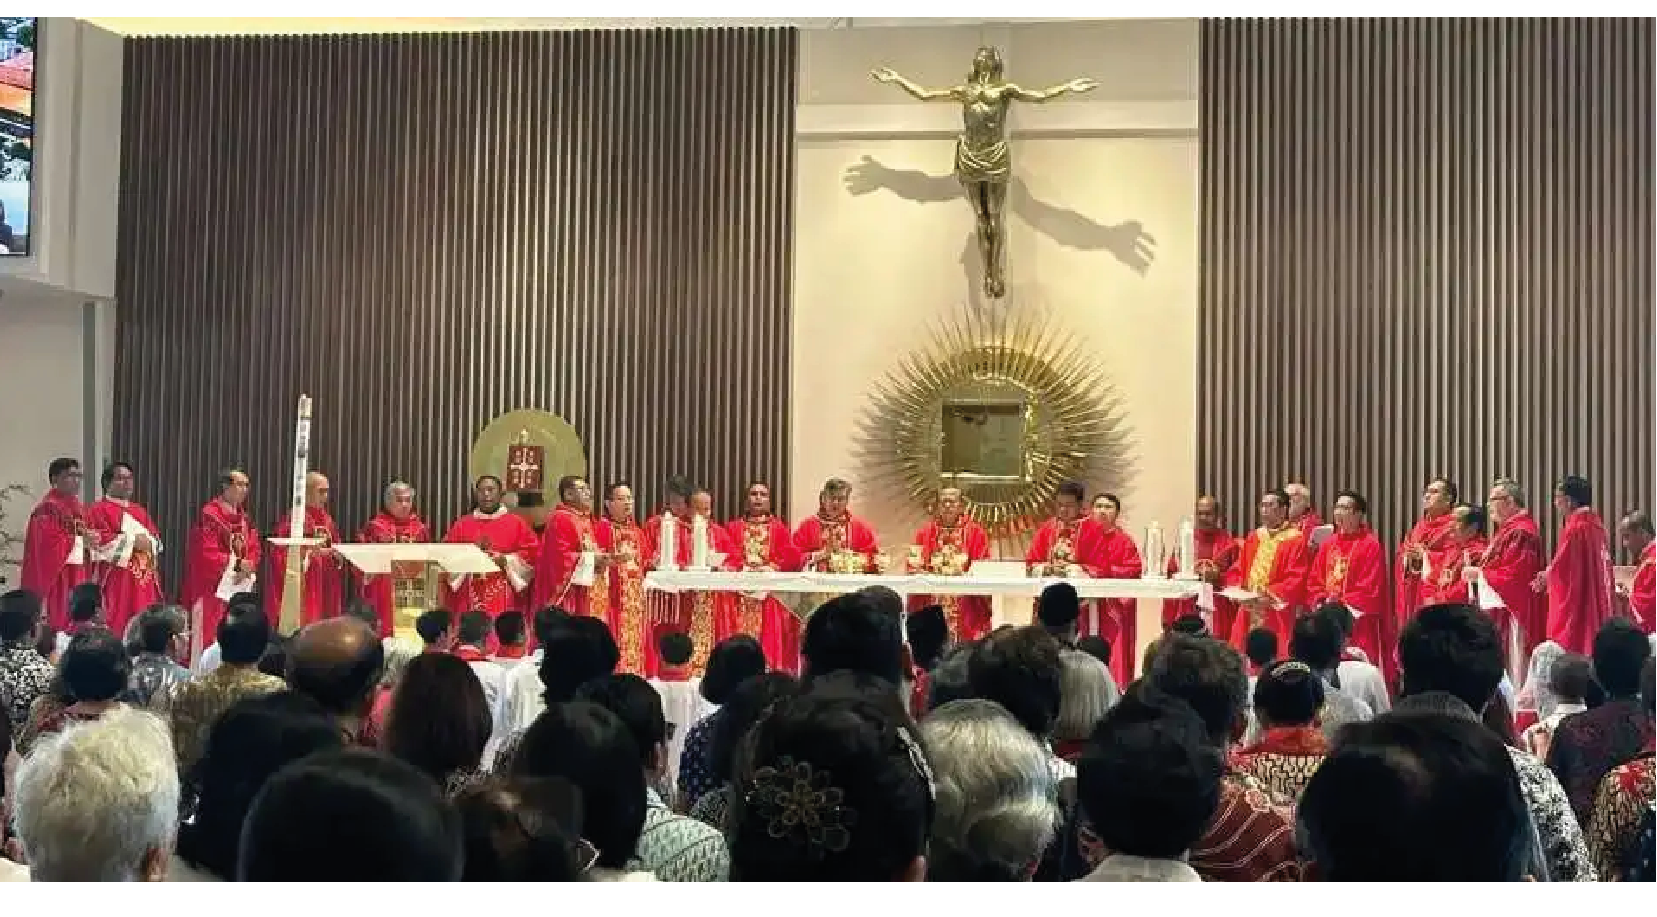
[[17, 131]]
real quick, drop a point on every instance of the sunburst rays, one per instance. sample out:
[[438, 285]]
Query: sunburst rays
[[1074, 426]]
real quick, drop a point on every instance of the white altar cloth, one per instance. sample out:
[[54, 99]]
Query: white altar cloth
[[903, 584]]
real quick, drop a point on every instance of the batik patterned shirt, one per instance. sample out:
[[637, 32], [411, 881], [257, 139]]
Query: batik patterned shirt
[[677, 848], [25, 676], [1563, 849], [192, 707]]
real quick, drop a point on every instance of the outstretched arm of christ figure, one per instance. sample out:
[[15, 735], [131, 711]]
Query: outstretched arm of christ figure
[[1038, 96], [888, 75]]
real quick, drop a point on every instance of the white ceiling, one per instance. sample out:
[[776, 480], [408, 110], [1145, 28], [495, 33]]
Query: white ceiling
[[309, 25]]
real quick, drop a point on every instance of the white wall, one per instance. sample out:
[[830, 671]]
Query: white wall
[[1102, 176]]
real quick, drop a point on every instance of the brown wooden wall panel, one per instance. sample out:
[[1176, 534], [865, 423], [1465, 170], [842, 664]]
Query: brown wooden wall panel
[[426, 231], [1426, 249]]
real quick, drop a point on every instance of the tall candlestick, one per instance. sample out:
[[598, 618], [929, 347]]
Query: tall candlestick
[[1187, 548], [293, 580], [669, 559], [1156, 553], [699, 542]]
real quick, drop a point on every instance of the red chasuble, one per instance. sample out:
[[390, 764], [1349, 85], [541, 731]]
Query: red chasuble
[[1216, 552], [569, 535], [322, 570], [763, 543], [695, 613], [1446, 586], [1434, 534], [221, 534], [1642, 593], [1117, 620], [1579, 583], [379, 591], [55, 525], [1057, 546], [1307, 522], [951, 551], [1272, 564], [624, 542], [1352, 569], [1510, 563], [847, 533], [131, 582], [505, 535]]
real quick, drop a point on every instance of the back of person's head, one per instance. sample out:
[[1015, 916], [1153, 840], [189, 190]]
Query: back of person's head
[[751, 700], [1340, 615], [865, 687], [47, 644], [1452, 648], [1190, 625], [1569, 676], [1084, 695], [928, 632], [868, 815], [95, 667], [1415, 797], [676, 648], [248, 743], [996, 795], [1316, 641], [274, 660], [1434, 703], [1207, 675], [1019, 669], [1620, 649], [1261, 646], [19, 613], [521, 830], [1288, 693], [859, 631], [1149, 779], [336, 662], [351, 815], [639, 708], [157, 626], [733, 661], [591, 748], [98, 802], [1059, 608], [547, 620], [434, 625], [950, 678], [86, 601], [243, 634], [475, 626], [365, 612], [576, 652], [510, 630], [1095, 646], [439, 719]]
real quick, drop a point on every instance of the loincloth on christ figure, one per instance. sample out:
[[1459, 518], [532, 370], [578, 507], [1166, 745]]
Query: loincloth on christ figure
[[986, 163]]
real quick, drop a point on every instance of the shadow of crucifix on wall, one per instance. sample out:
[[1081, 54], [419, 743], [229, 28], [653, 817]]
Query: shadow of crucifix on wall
[[1127, 242]]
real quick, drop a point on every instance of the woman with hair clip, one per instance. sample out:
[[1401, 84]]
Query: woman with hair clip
[[1287, 699]]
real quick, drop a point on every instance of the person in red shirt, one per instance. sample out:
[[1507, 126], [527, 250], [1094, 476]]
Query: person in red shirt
[[1638, 539], [1509, 565], [320, 575], [395, 523], [948, 545], [1578, 580], [1273, 565], [1351, 569], [1418, 553], [1116, 620], [763, 543], [507, 539], [834, 540], [1216, 553], [58, 544], [1302, 514]]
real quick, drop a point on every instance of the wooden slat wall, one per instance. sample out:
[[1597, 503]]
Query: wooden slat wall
[[1426, 249], [426, 231]]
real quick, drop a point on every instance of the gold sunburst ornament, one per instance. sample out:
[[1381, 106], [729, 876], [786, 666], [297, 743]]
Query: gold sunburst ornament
[[1006, 407]]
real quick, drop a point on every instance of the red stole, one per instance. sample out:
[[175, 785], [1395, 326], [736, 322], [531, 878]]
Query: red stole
[[1216, 552], [221, 533], [1510, 563], [1271, 564], [625, 543], [1058, 545], [505, 534], [764, 543], [1115, 556], [136, 586], [1579, 583], [54, 526], [848, 533], [1307, 522], [1433, 534], [380, 591], [1446, 585], [569, 535], [1351, 569], [321, 597], [951, 551]]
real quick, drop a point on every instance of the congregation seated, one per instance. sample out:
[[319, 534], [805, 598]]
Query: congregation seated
[[336, 662], [1587, 745], [1020, 669], [1290, 746], [681, 693], [1555, 687], [731, 663], [472, 645], [574, 650], [193, 707], [1624, 797], [751, 700], [927, 630], [1086, 692], [1316, 642], [1359, 677], [438, 720], [91, 681], [162, 638], [522, 830]]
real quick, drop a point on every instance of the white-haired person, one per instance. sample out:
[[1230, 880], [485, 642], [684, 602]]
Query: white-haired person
[[997, 808], [98, 802], [1086, 691]]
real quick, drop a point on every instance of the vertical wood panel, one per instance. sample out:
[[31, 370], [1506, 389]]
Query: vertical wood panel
[[426, 231], [1427, 250]]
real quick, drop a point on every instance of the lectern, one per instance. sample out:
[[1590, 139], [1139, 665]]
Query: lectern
[[414, 569]]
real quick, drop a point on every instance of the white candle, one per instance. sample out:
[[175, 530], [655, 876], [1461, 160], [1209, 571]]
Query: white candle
[[1156, 553], [668, 560], [1187, 547], [699, 543]]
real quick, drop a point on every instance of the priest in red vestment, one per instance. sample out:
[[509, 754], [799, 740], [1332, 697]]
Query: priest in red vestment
[[764, 544], [1215, 555], [128, 543], [1463, 549], [572, 569], [1351, 569], [223, 549], [1509, 564], [1273, 565], [1418, 555], [947, 546], [58, 545], [1302, 514], [835, 541], [1578, 579], [1066, 545], [620, 537], [507, 539], [395, 523], [1116, 620], [323, 566], [700, 614], [1635, 532]]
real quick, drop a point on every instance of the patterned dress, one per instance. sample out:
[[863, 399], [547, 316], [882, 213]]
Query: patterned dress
[[1284, 759], [25, 676], [1623, 800]]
